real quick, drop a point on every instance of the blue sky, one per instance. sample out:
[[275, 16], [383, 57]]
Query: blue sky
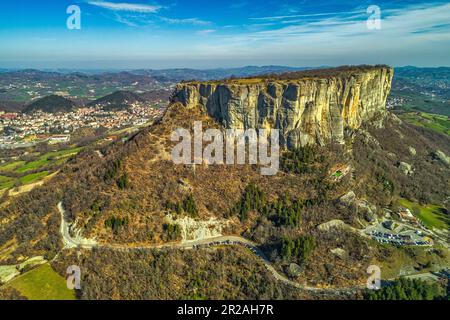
[[205, 34]]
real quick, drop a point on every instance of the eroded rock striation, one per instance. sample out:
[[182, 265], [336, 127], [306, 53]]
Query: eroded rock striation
[[307, 108]]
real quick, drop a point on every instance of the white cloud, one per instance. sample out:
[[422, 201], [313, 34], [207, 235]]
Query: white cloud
[[125, 21], [272, 18], [408, 34], [206, 31], [193, 21], [130, 7], [136, 15], [397, 25]]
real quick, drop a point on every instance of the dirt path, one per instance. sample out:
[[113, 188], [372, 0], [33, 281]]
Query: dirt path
[[78, 242]]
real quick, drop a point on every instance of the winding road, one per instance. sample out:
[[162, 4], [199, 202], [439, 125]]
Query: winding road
[[78, 242]]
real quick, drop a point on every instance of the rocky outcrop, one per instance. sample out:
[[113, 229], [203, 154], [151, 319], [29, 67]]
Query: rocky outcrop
[[306, 109], [442, 157], [332, 224], [340, 253], [348, 198], [405, 168], [193, 230]]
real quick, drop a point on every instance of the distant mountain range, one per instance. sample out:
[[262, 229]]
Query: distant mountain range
[[217, 74], [199, 74], [426, 89], [416, 72], [21, 87], [148, 75]]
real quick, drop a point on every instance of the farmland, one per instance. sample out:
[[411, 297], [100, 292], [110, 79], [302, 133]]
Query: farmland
[[37, 167], [438, 123], [42, 283]]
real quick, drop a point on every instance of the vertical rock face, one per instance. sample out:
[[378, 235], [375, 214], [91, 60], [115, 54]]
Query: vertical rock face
[[307, 109]]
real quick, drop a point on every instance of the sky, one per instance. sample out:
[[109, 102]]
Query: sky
[[132, 34]]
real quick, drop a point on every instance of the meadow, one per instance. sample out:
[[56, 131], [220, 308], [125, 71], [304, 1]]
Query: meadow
[[438, 123], [23, 172], [42, 283], [432, 216]]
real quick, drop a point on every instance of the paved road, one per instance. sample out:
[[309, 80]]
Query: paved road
[[71, 243]]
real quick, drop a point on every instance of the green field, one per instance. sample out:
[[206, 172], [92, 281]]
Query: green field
[[33, 165], [3, 179], [47, 159], [63, 153], [42, 283], [432, 216], [11, 166], [6, 182], [31, 178], [434, 122]]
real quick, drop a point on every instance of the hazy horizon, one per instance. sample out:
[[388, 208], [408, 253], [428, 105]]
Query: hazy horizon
[[93, 70], [161, 34]]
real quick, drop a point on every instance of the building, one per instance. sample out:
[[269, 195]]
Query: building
[[59, 139]]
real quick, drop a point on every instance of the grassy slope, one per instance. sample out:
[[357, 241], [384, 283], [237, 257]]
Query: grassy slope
[[418, 257], [46, 159], [33, 165], [22, 167], [6, 182], [33, 177], [438, 123], [11, 166], [42, 283], [3, 179], [430, 215]]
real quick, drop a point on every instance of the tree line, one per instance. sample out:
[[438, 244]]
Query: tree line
[[408, 289]]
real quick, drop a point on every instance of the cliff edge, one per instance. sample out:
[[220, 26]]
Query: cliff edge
[[312, 107]]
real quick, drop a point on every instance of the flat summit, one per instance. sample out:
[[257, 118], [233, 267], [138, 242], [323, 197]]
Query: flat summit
[[308, 107]]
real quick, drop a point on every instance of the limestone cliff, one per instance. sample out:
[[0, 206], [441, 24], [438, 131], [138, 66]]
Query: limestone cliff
[[306, 108]]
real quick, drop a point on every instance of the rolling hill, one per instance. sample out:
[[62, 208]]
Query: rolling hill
[[51, 104], [118, 100]]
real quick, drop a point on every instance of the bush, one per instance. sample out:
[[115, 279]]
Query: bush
[[407, 289], [188, 206], [253, 199], [300, 160], [286, 213], [112, 170], [116, 223], [123, 182], [298, 249], [173, 231]]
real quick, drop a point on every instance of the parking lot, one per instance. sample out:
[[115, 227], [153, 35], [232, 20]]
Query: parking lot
[[401, 236], [397, 239]]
